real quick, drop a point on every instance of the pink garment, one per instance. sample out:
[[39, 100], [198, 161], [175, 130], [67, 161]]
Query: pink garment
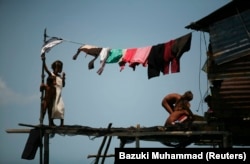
[[140, 57], [126, 58]]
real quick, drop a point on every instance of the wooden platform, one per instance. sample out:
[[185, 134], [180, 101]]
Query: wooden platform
[[195, 133], [178, 136]]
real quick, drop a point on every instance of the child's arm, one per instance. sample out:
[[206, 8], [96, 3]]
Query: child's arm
[[63, 78], [166, 106], [42, 87], [45, 66]]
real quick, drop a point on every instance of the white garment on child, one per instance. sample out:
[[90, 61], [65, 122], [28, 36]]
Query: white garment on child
[[58, 106]]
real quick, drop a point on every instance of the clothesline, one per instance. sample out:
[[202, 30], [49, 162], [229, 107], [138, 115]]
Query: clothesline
[[162, 57], [70, 41], [154, 66], [67, 40], [159, 58]]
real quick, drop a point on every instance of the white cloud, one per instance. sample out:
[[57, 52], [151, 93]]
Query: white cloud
[[8, 96]]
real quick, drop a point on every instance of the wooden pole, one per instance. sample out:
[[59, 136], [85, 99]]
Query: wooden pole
[[227, 141], [106, 150], [137, 143], [42, 94], [46, 148], [41, 146], [42, 79], [101, 147]]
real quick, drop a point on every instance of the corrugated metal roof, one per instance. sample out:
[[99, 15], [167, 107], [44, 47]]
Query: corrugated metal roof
[[226, 11], [230, 37]]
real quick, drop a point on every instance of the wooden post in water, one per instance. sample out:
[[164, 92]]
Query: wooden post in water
[[137, 143]]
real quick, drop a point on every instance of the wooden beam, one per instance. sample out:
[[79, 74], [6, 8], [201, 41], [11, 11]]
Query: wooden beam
[[137, 143], [46, 148], [155, 133], [18, 130], [103, 156]]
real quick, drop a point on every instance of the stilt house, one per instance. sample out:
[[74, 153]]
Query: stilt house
[[228, 67]]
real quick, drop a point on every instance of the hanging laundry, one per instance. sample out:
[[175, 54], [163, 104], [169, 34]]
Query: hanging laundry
[[161, 58], [179, 47], [168, 54], [114, 55], [169, 59], [90, 50], [126, 58], [103, 57], [140, 57], [155, 60]]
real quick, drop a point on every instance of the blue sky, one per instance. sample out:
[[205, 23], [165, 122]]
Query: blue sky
[[124, 98]]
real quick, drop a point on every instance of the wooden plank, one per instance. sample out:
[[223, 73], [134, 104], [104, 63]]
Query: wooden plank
[[156, 133], [103, 156], [36, 126], [120, 132], [18, 130]]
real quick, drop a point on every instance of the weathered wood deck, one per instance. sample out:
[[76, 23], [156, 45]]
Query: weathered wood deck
[[199, 133]]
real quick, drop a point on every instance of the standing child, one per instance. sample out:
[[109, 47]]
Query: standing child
[[58, 105], [48, 99]]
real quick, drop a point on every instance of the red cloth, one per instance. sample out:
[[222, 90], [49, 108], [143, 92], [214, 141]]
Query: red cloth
[[169, 58], [182, 118], [126, 58]]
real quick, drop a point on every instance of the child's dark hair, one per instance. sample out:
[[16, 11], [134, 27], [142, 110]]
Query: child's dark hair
[[57, 63], [188, 95]]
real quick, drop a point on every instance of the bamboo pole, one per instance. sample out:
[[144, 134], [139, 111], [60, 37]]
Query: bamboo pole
[[106, 150], [101, 147]]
